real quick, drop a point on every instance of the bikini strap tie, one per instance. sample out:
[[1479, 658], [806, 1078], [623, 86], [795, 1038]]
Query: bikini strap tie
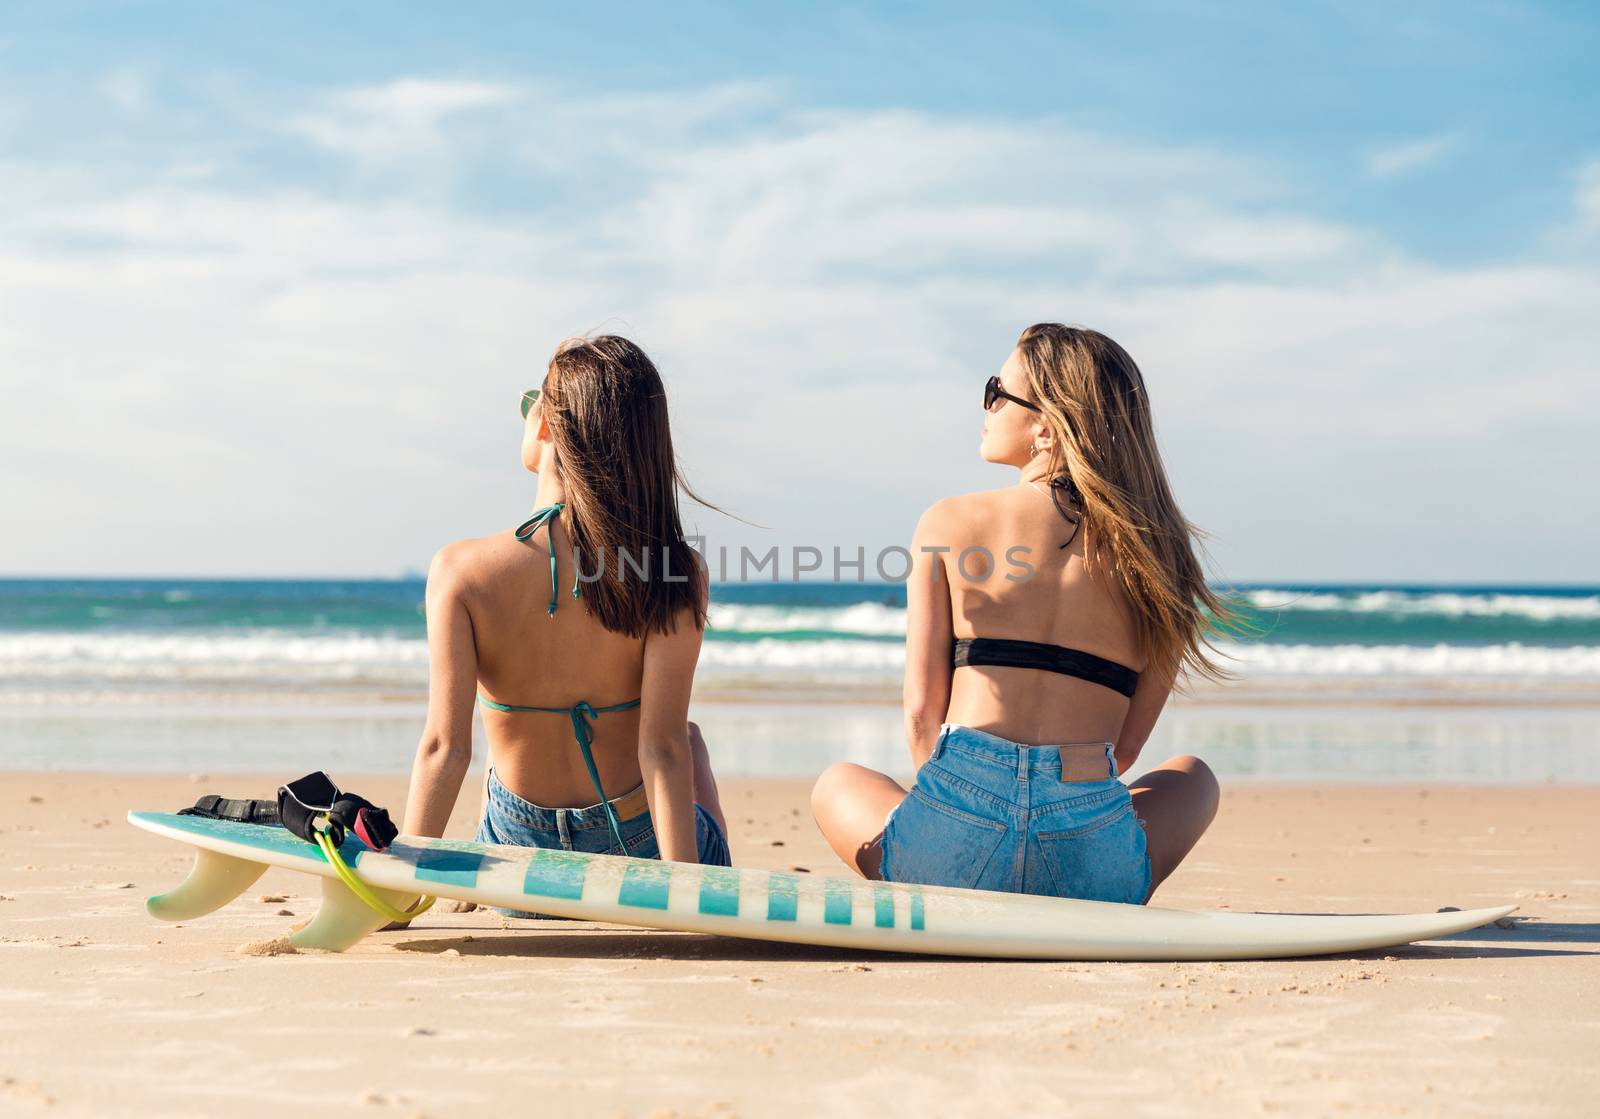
[[582, 714], [546, 518]]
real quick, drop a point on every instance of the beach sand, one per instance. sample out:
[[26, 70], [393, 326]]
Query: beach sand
[[108, 1012]]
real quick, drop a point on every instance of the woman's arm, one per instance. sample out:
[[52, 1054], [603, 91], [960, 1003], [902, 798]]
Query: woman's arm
[[445, 751], [665, 758], [929, 634], [1148, 700]]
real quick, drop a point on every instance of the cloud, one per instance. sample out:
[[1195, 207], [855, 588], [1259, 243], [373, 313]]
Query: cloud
[[1587, 200], [129, 88], [397, 118], [281, 373], [1413, 155], [897, 193]]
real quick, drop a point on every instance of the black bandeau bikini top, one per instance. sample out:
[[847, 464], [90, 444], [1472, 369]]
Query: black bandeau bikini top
[[1001, 652]]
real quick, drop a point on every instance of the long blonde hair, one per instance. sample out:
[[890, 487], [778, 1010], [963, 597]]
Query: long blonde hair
[[1092, 396]]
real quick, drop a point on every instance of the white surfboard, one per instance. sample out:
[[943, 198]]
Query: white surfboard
[[763, 905]]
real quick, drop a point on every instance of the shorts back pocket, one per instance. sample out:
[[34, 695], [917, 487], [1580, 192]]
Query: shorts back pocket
[[1100, 860], [938, 844]]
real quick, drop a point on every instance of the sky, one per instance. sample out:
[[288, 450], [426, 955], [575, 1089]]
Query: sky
[[272, 279]]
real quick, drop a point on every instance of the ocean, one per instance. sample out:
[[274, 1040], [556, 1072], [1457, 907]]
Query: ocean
[[197, 672]]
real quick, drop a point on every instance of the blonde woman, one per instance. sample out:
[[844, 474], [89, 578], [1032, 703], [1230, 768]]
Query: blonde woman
[[1046, 625]]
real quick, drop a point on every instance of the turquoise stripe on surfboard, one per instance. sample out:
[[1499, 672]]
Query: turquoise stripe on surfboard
[[644, 886], [448, 865], [882, 907], [719, 891], [838, 897], [783, 897], [916, 911], [556, 874]]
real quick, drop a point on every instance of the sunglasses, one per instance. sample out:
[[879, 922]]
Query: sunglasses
[[529, 399], [993, 394]]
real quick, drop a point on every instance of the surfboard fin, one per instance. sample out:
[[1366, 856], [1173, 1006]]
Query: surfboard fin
[[215, 881], [344, 918]]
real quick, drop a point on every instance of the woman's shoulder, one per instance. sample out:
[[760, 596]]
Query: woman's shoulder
[[965, 509], [474, 558]]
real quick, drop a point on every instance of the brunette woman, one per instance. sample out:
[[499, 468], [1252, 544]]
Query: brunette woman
[[577, 633]]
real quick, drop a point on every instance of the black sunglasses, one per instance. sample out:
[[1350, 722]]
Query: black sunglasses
[[992, 392]]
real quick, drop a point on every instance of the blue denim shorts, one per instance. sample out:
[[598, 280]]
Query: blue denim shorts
[[990, 814], [508, 819]]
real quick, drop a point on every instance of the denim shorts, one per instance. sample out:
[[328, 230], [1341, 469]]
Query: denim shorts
[[990, 814], [508, 819]]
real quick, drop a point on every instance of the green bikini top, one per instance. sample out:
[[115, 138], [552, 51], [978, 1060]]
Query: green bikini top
[[581, 713]]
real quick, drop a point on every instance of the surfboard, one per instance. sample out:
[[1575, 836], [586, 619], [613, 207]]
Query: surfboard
[[839, 912]]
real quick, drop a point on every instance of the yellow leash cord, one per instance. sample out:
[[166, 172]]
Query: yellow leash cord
[[363, 891]]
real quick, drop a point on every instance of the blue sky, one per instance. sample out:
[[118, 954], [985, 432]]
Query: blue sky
[[268, 278]]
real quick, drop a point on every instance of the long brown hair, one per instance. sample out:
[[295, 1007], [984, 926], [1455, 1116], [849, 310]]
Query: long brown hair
[[1092, 396], [606, 409]]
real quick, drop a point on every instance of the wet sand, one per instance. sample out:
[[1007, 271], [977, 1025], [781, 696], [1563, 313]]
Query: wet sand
[[468, 1013]]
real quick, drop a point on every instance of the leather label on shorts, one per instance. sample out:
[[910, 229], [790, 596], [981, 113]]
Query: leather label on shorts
[[1084, 763]]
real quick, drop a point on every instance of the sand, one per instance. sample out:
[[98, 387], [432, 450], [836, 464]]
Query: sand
[[107, 1012]]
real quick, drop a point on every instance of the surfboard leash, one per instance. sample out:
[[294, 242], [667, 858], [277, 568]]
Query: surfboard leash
[[316, 809], [319, 812], [348, 876]]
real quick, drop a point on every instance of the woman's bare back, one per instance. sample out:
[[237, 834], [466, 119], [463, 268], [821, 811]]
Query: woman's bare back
[[529, 657], [1058, 603]]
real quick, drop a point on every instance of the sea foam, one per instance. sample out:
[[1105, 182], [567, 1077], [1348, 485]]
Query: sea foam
[[1444, 604], [280, 657]]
